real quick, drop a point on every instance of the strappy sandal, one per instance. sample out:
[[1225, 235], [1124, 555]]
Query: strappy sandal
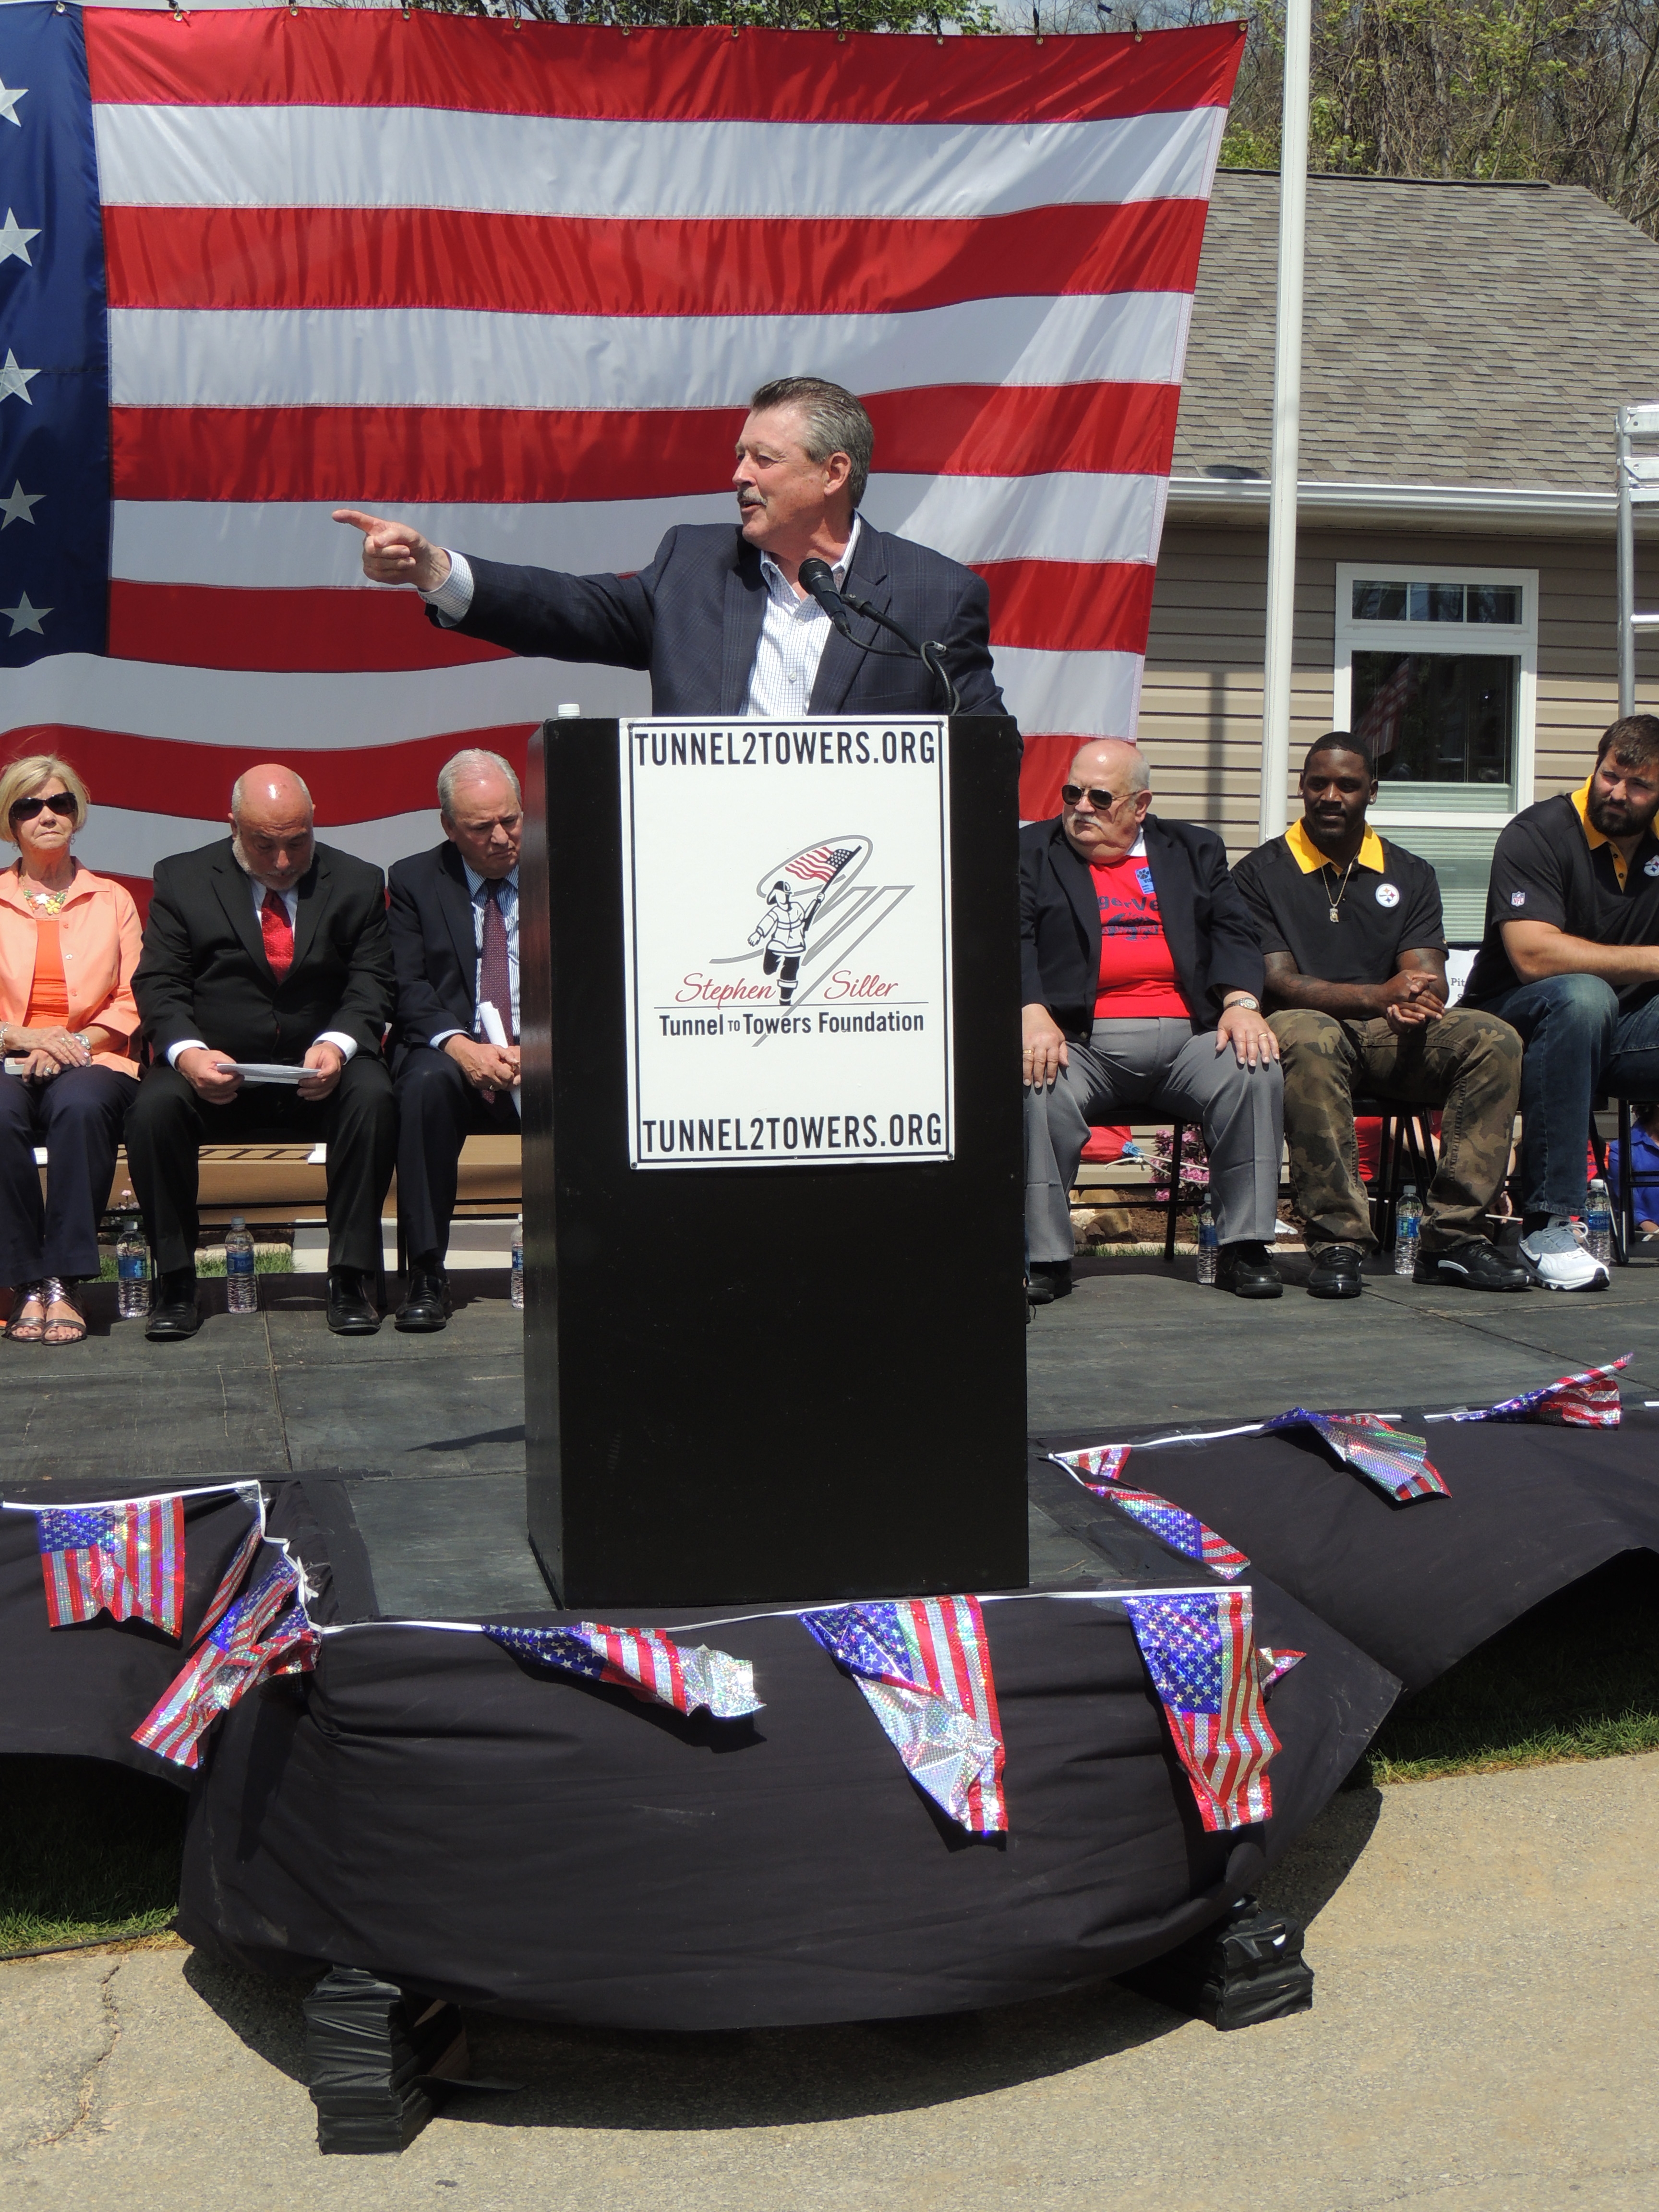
[[19, 1329], [72, 1331]]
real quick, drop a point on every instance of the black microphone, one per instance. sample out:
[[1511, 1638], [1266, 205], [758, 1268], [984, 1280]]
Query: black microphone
[[819, 580]]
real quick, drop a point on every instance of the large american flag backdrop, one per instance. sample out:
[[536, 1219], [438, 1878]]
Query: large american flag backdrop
[[515, 283]]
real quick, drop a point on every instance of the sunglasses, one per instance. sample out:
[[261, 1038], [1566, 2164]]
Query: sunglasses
[[1103, 801], [55, 802]]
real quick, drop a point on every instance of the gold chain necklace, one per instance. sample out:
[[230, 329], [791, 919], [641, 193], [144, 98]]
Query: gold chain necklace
[[1337, 898]]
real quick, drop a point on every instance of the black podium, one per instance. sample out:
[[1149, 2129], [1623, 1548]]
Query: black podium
[[748, 1379]]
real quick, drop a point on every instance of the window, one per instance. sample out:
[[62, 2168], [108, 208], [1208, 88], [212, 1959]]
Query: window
[[1436, 672]]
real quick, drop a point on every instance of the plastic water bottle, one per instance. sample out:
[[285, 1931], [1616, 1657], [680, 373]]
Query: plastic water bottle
[[241, 1287], [1598, 1222], [1209, 1246], [1408, 1231], [517, 1263], [131, 1265]]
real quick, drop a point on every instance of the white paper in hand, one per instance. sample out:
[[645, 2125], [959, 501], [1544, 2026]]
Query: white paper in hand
[[493, 1027], [264, 1071]]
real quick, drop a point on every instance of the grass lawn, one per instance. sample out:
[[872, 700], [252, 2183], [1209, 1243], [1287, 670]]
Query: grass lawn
[[86, 1849], [91, 1851]]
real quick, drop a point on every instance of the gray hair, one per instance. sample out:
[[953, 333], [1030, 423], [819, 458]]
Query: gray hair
[[835, 422], [467, 764]]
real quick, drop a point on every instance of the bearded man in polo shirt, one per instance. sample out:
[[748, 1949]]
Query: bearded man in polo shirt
[[1355, 954], [1570, 958], [1142, 983]]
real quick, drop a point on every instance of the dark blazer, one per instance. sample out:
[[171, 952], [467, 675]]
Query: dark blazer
[[1210, 936], [435, 947], [694, 619], [204, 971]]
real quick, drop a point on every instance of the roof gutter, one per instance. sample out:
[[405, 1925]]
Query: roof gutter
[[1536, 511]]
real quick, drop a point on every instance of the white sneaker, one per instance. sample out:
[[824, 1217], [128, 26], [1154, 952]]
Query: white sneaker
[[1559, 1259]]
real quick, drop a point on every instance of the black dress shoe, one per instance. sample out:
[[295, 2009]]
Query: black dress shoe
[[1047, 1280], [1248, 1273], [351, 1309], [426, 1302], [1335, 1273], [174, 1313], [1476, 1266]]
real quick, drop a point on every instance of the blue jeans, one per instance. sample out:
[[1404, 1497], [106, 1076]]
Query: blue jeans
[[1578, 1043]]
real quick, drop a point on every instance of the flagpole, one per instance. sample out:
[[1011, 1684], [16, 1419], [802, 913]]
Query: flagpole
[[1287, 413]]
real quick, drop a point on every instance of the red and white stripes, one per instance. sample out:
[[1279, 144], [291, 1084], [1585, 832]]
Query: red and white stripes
[[515, 283]]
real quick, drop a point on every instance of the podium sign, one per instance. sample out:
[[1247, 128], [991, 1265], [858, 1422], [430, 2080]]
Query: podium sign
[[775, 1328], [786, 943]]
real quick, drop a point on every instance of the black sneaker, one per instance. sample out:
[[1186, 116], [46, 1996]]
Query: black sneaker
[[1476, 1266], [1048, 1279], [1247, 1271], [1335, 1273]]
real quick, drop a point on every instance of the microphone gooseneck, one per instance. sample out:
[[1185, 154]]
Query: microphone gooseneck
[[819, 578]]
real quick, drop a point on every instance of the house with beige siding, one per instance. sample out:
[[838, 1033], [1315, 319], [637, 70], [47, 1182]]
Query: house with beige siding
[[1466, 347]]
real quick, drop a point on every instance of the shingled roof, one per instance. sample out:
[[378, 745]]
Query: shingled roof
[[1455, 334]]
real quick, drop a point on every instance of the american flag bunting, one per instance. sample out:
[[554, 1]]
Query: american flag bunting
[[1273, 1665], [924, 1666], [1589, 1400], [1172, 1524], [127, 1560], [642, 1660], [1393, 1459], [1200, 1650], [262, 1635]]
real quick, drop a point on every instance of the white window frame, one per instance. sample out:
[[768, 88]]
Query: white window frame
[[1519, 640]]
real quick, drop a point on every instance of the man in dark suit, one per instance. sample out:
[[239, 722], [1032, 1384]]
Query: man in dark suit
[[269, 948], [454, 917], [721, 617], [1142, 982]]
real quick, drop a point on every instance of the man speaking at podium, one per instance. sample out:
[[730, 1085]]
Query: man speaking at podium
[[721, 617]]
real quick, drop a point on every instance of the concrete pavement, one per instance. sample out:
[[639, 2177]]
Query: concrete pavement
[[1484, 2040]]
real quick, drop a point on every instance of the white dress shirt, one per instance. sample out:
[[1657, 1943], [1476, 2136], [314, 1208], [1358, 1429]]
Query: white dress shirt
[[509, 906], [794, 634], [348, 1045]]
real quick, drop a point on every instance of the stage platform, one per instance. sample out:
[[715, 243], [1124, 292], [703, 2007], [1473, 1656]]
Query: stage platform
[[429, 1430]]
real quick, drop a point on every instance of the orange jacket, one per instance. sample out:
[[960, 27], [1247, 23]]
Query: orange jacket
[[101, 936]]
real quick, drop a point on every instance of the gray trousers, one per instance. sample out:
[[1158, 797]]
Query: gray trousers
[[1161, 1067]]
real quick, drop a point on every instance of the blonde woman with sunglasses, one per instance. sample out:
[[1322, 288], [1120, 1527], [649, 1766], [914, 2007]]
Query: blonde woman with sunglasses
[[68, 943]]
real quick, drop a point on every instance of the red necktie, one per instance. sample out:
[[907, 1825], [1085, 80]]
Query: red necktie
[[494, 968], [278, 932]]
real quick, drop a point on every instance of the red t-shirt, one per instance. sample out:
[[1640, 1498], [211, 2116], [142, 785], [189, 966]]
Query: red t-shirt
[[1137, 975]]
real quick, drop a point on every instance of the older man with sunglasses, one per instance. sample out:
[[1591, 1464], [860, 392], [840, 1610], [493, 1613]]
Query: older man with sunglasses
[[1142, 982]]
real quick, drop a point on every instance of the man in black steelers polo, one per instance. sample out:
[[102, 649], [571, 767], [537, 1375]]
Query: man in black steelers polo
[[1570, 958], [1355, 955]]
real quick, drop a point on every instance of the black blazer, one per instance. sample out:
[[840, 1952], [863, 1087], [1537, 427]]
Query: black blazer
[[1210, 936], [694, 619], [204, 971], [435, 947]]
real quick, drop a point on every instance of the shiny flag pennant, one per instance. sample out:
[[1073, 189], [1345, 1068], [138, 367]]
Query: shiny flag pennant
[[262, 1635], [1394, 1459], [924, 1666], [644, 1660], [127, 1560], [1095, 1464], [1589, 1400], [1273, 1666], [1200, 1648], [1172, 1524], [236, 1573]]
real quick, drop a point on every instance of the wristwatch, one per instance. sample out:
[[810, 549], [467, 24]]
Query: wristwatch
[[1243, 999]]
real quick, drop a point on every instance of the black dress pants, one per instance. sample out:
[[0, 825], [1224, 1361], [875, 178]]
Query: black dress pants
[[438, 1109], [358, 1121], [78, 1117]]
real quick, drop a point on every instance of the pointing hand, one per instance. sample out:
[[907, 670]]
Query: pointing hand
[[396, 552]]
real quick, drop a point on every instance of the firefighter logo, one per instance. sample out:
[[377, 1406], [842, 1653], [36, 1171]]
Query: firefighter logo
[[794, 898]]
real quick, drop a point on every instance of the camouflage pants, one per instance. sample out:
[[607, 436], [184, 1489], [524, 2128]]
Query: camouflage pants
[[1467, 1064]]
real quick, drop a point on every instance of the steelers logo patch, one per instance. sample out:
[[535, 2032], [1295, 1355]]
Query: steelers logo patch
[[1387, 895], [1652, 867]]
